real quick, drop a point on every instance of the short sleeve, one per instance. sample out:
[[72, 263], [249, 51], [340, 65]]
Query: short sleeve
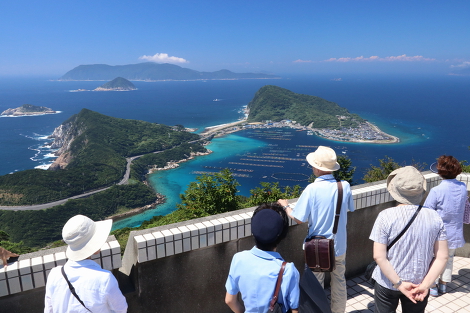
[[348, 193], [293, 287], [231, 285], [431, 200], [442, 235], [301, 210], [379, 231]]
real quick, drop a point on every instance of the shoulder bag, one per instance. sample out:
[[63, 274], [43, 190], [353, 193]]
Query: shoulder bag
[[274, 306], [320, 251], [372, 265], [72, 289]]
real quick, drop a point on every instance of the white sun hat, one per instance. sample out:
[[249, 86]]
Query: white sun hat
[[406, 185], [84, 236], [324, 159]]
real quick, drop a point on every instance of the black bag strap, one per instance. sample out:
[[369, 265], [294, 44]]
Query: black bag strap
[[406, 227], [278, 287], [72, 289], [338, 205]]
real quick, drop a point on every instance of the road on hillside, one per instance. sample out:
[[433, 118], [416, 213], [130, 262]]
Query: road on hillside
[[124, 181]]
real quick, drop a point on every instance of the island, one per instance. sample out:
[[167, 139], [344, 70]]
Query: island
[[150, 71], [117, 84], [28, 109], [273, 106]]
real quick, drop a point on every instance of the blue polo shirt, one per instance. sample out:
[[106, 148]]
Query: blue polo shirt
[[254, 274], [317, 205]]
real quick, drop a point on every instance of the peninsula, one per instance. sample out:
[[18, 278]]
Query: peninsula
[[28, 109], [150, 71], [117, 84], [274, 106]]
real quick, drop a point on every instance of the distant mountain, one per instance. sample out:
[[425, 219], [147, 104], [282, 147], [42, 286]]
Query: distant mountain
[[117, 84], [28, 109], [150, 71], [276, 104]]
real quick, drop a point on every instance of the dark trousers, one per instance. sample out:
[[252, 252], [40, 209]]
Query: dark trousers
[[386, 301]]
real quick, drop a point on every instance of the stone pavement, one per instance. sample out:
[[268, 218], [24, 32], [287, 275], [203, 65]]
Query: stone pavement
[[457, 298]]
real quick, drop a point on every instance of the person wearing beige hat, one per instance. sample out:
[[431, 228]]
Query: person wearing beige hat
[[317, 206], [408, 268], [81, 285]]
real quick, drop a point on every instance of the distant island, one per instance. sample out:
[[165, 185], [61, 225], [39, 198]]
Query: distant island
[[117, 84], [150, 71], [274, 106], [28, 109]]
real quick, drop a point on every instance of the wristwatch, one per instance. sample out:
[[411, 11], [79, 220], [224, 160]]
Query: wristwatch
[[285, 207], [398, 283]]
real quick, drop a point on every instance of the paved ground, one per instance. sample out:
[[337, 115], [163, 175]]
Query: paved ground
[[457, 298]]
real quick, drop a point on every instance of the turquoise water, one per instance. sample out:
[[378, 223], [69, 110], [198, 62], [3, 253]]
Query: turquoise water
[[173, 182]]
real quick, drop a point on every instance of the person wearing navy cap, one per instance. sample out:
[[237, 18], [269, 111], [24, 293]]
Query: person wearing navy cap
[[253, 273]]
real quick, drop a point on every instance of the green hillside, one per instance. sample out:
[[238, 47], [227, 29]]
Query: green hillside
[[118, 83], [97, 157], [276, 104]]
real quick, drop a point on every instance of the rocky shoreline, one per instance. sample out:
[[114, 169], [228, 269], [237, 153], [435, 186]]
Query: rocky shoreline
[[116, 217]]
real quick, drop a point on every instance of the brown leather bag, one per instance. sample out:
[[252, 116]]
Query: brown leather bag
[[319, 251]]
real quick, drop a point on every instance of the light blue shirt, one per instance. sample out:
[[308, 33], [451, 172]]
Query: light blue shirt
[[448, 199], [254, 274], [96, 287], [412, 254], [317, 205]]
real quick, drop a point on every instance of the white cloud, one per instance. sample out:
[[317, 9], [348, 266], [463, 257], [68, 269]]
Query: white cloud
[[462, 65], [163, 58], [302, 61], [403, 57]]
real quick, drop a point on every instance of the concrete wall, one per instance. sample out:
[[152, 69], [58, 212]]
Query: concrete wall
[[183, 267]]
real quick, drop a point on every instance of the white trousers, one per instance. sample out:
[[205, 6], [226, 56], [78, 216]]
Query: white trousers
[[446, 275], [338, 285]]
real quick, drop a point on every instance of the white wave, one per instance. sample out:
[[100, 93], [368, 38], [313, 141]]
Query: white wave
[[43, 166]]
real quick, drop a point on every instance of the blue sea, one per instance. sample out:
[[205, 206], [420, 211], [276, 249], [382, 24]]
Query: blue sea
[[430, 115]]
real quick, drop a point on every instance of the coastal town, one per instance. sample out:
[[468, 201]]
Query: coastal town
[[365, 133]]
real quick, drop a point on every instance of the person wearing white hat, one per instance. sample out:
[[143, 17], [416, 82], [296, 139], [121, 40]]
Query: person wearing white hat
[[317, 206], [81, 285], [408, 267]]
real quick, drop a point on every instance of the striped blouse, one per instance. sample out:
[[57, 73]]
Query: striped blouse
[[412, 254]]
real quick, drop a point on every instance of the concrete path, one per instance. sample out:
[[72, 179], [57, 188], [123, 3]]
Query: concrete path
[[456, 300]]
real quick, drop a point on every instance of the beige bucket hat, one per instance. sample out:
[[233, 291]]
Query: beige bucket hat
[[324, 159], [406, 185], [84, 236]]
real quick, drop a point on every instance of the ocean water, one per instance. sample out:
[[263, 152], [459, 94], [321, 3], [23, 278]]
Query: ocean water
[[430, 115]]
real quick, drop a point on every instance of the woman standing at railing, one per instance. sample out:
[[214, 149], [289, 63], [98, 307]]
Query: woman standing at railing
[[448, 199]]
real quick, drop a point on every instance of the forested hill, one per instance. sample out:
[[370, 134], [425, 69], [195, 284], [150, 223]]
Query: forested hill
[[276, 104], [119, 83], [93, 148], [151, 71]]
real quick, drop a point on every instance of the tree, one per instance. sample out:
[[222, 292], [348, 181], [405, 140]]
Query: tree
[[388, 165], [210, 194], [270, 192], [346, 172], [376, 173]]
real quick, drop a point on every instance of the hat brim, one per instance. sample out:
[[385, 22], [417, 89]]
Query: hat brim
[[102, 230], [311, 160], [398, 196]]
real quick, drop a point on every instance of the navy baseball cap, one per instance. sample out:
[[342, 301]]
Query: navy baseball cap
[[266, 226]]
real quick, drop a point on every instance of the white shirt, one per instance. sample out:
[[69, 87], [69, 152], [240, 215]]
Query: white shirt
[[96, 287]]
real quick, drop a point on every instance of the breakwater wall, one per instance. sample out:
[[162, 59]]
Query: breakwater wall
[[183, 267]]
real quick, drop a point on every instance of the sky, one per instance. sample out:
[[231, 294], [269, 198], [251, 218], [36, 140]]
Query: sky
[[281, 37]]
